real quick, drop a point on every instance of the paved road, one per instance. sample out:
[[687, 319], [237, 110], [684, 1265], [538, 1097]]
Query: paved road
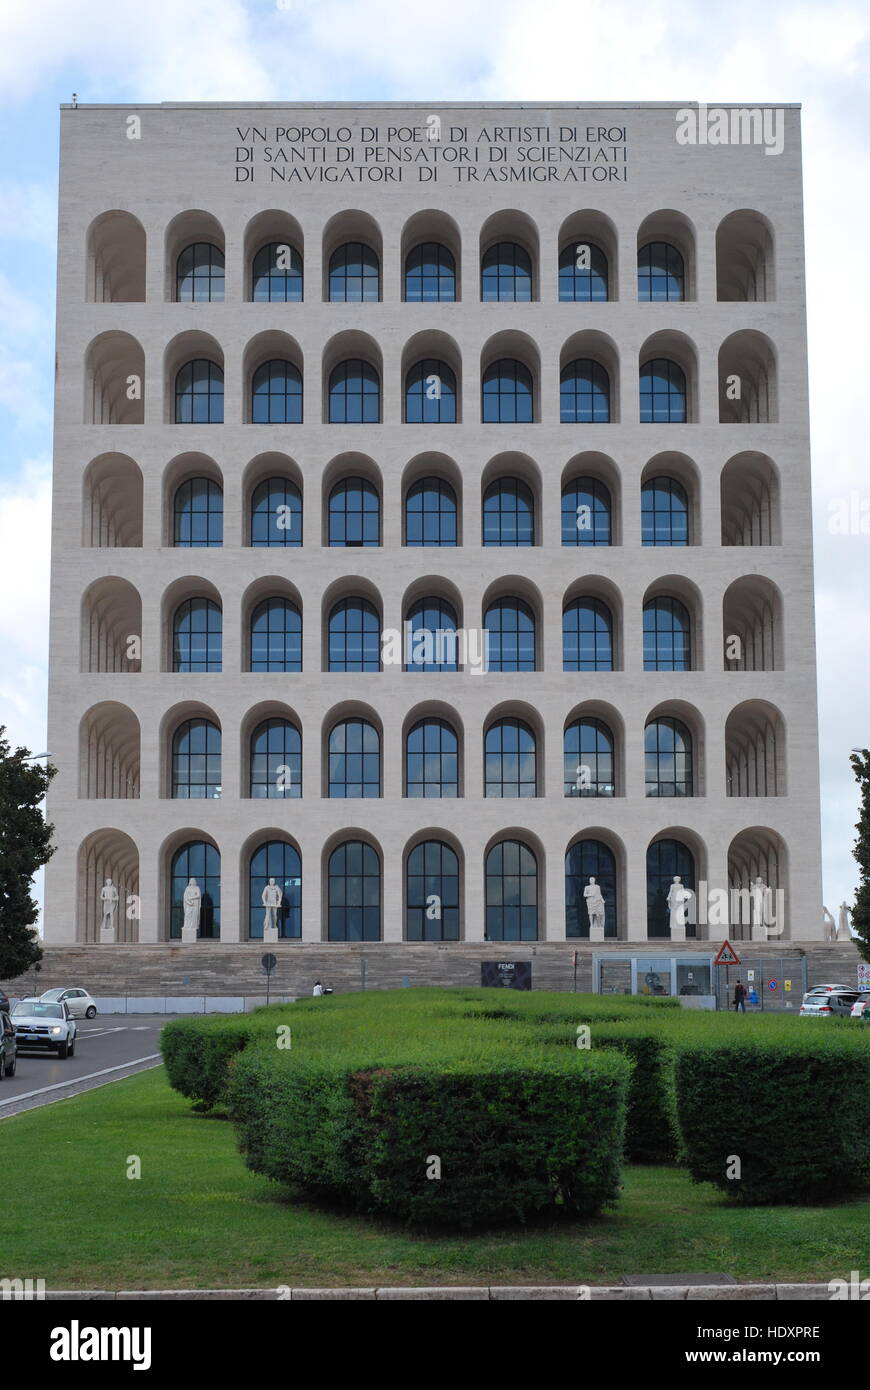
[[108, 1048]]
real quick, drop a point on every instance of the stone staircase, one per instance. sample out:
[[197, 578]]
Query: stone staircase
[[233, 969]]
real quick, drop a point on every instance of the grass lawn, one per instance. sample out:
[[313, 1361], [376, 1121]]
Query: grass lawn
[[198, 1219]]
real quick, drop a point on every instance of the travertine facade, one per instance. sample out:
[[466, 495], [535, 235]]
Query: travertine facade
[[610, 177]]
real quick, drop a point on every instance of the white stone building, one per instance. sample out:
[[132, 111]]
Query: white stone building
[[532, 370]]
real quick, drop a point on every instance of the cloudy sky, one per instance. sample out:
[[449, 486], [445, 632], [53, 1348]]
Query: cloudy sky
[[598, 50]]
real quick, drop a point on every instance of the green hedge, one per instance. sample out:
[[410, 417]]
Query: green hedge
[[793, 1110], [516, 1137]]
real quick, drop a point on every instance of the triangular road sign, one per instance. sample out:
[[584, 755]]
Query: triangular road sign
[[727, 955]]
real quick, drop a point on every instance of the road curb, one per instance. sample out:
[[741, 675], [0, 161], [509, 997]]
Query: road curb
[[466, 1293]]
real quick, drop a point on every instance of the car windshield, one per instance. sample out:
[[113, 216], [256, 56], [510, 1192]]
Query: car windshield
[[39, 1010], [52, 994]]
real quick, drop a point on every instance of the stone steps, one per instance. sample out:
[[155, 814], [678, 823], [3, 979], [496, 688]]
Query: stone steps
[[207, 968]]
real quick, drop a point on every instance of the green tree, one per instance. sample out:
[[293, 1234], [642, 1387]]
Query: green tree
[[861, 911], [25, 845]]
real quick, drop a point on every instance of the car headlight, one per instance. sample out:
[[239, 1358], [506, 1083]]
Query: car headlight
[[56, 1031]]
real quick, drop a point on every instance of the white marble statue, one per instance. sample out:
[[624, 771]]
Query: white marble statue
[[759, 896], [844, 926], [271, 898], [679, 897], [829, 926], [192, 907], [596, 908], [108, 906]]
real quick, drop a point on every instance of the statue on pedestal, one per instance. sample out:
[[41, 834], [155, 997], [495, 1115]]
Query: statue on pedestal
[[108, 905], [759, 895], [595, 906], [829, 926], [272, 898], [679, 898], [192, 901]]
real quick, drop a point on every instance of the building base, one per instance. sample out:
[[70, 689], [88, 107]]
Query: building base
[[234, 969]]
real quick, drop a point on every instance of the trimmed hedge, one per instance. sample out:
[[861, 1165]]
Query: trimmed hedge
[[793, 1110], [344, 1112], [515, 1137]]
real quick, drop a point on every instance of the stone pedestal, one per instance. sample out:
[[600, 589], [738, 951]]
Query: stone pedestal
[[270, 936], [188, 934], [678, 933], [596, 933], [759, 931], [107, 936]]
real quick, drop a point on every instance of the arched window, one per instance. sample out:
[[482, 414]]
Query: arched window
[[660, 272], [276, 760], [589, 859], [354, 513], [664, 512], [508, 393], [201, 861], [510, 759], [276, 636], [199, 393], [662, 393], [276, 394], [354, 394], [665, 860], [354, 636], [430, 274], [432, 759], [510, 627], [587, 636], [584, 393], [432, 893], [668, 758], [590, 763], [276, 513], [354, 760], [197, 629], [354, 274], [430, 393], [582, 272], [196, 760], [667, 636], [277, 860], [276, 274], [199, 273], [354, 893], [508, 513], [433, 639], [198, 513], [430, 513], [506, 273], [511, 892], [585, 513]]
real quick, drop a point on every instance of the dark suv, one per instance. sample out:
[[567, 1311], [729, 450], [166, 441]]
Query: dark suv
[[8, 1046]]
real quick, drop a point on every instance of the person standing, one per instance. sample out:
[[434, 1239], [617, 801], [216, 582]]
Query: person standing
[[740, 997], [318, 989]]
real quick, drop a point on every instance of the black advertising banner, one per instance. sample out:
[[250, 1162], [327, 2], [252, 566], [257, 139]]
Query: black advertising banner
[[506, 974]]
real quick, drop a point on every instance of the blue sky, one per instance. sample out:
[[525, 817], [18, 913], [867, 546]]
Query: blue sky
[[817, 53]]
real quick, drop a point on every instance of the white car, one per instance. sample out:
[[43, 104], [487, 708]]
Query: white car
[[44, 1024], [78, 1001]]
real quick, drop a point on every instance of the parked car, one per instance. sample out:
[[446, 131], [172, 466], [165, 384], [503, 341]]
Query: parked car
[[8, 1045], [859, 1008], [40, 1023], [826, 1001], [78, 1001]]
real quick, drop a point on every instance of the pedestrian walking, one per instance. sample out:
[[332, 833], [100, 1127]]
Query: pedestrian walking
[[740, 997]]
